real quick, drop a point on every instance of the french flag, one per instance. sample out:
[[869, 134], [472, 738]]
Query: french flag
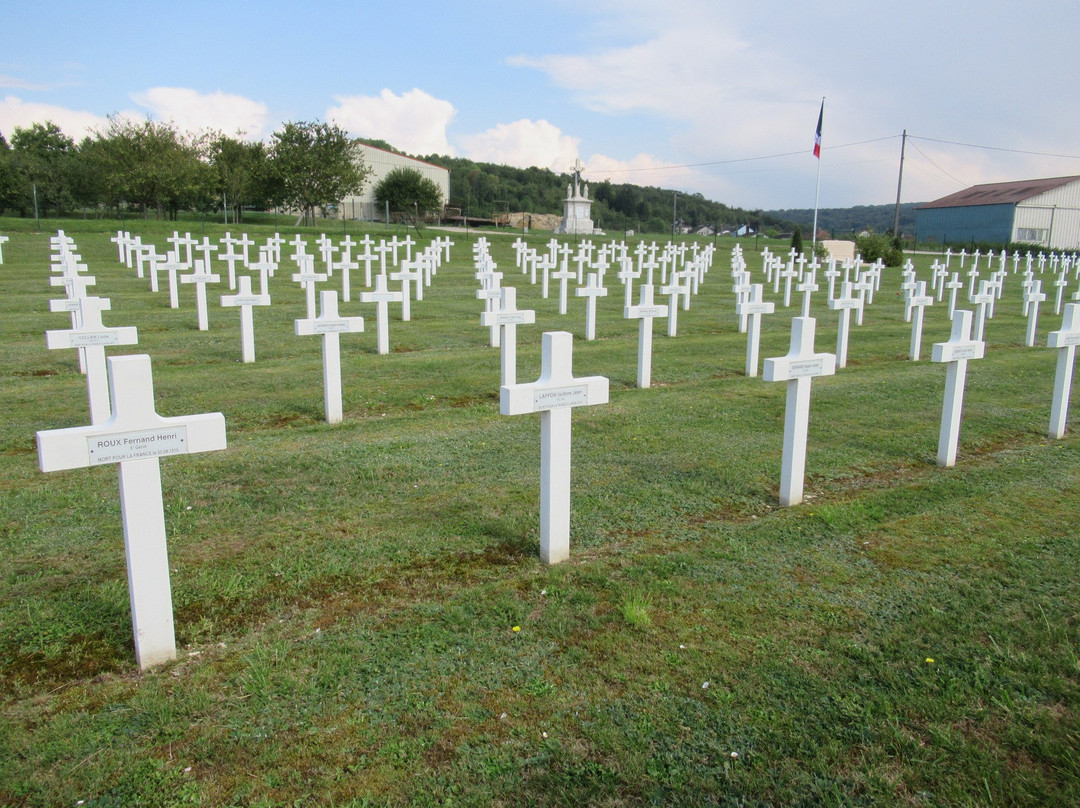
[[817, 135]]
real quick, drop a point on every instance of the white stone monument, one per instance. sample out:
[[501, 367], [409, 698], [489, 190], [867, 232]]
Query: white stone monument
[[577, 207], [553, 395]]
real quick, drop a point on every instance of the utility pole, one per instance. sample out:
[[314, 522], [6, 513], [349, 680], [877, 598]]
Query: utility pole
[[899, 183], [674, 212]]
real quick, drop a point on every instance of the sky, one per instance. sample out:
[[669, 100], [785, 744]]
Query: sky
[[700, 96]]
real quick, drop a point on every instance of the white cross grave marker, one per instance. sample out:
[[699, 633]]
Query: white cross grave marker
[[918, 300], [92, 336], [136, 437], [1032, 299], [200, 277], [307, 277], [382, 297], [330, 326], [507, 318], [553, 395], [844, 302], [245, 300], [752, 308], [591, 292], [798, 369], [645, 311], [956, 353], [1065, 340]]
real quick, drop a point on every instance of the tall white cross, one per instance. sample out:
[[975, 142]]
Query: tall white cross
[[956, 353], [917, 301], [752, 308], [245, 300], [1065, 340], [507, 318], [798, 369], [645, 311], [1032, 299], [591, 292], [307, 277], [200, 277], [553, 395], [136, 437], [330, 326], [92, 336], [844, 303], [382, 297]]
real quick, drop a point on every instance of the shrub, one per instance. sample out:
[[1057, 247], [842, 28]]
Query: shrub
[[873, 246]]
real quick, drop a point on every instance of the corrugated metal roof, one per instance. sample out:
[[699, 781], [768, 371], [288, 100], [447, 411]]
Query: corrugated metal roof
[[999, 193]]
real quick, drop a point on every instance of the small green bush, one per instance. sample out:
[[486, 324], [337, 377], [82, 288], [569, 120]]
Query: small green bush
[[873, 246]]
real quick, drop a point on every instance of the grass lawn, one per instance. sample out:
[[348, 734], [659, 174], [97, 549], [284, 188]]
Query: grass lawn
[[363, 619]]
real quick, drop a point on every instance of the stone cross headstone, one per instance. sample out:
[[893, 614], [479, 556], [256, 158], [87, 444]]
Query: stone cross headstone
[[307, 277], [553, 395], [507, 318], [171, 265], [245, 300], [955, 353], [982, 300], [382, 297], [330, 326], [136, 437], [954, 286], [918, 301], [645, 311], [752, 308], [678, 287], [591, 292], [807, 286], [200, 277], [92, 336], [1065, 340], [563, 276], [798, 369], [845, 302], [1033, 298]]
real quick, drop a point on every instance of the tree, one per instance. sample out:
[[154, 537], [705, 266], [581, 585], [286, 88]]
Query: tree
[[406, 189], [314, 164], [42, 157], [796, 241], [9, 185], [150, 164], [240, 171]]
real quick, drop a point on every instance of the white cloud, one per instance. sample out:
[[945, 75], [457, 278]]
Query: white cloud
[[193, 111], [75, 123], [414, 121], [643, 169], [523, 143]]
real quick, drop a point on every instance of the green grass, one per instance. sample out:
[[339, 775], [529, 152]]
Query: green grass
[[345, 596]]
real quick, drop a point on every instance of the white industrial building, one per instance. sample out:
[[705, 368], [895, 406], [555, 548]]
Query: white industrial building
[[382, 162]]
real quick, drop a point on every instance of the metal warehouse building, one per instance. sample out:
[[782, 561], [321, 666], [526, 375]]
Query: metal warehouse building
[[383, 162], [1045, 212]]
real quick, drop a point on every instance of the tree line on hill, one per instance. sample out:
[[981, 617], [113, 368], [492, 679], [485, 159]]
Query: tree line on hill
[[841, 222], [154, 169]]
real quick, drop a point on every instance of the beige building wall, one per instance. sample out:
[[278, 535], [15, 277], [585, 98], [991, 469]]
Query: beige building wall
[[382, 162]]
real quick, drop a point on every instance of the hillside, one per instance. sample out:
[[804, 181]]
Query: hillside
[[843, 221]]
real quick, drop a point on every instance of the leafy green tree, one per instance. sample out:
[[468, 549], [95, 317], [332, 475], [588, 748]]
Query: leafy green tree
[[42, 158], [314, 164], [240, 171], [9, 185], [150, 164], [406, 189]]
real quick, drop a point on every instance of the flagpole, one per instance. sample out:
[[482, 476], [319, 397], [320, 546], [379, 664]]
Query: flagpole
[[817, 190]]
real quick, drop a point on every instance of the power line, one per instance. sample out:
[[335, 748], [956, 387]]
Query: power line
[[742, 159], [995, 148]]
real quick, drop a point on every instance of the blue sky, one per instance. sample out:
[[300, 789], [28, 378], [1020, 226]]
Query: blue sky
[[714, 97]]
